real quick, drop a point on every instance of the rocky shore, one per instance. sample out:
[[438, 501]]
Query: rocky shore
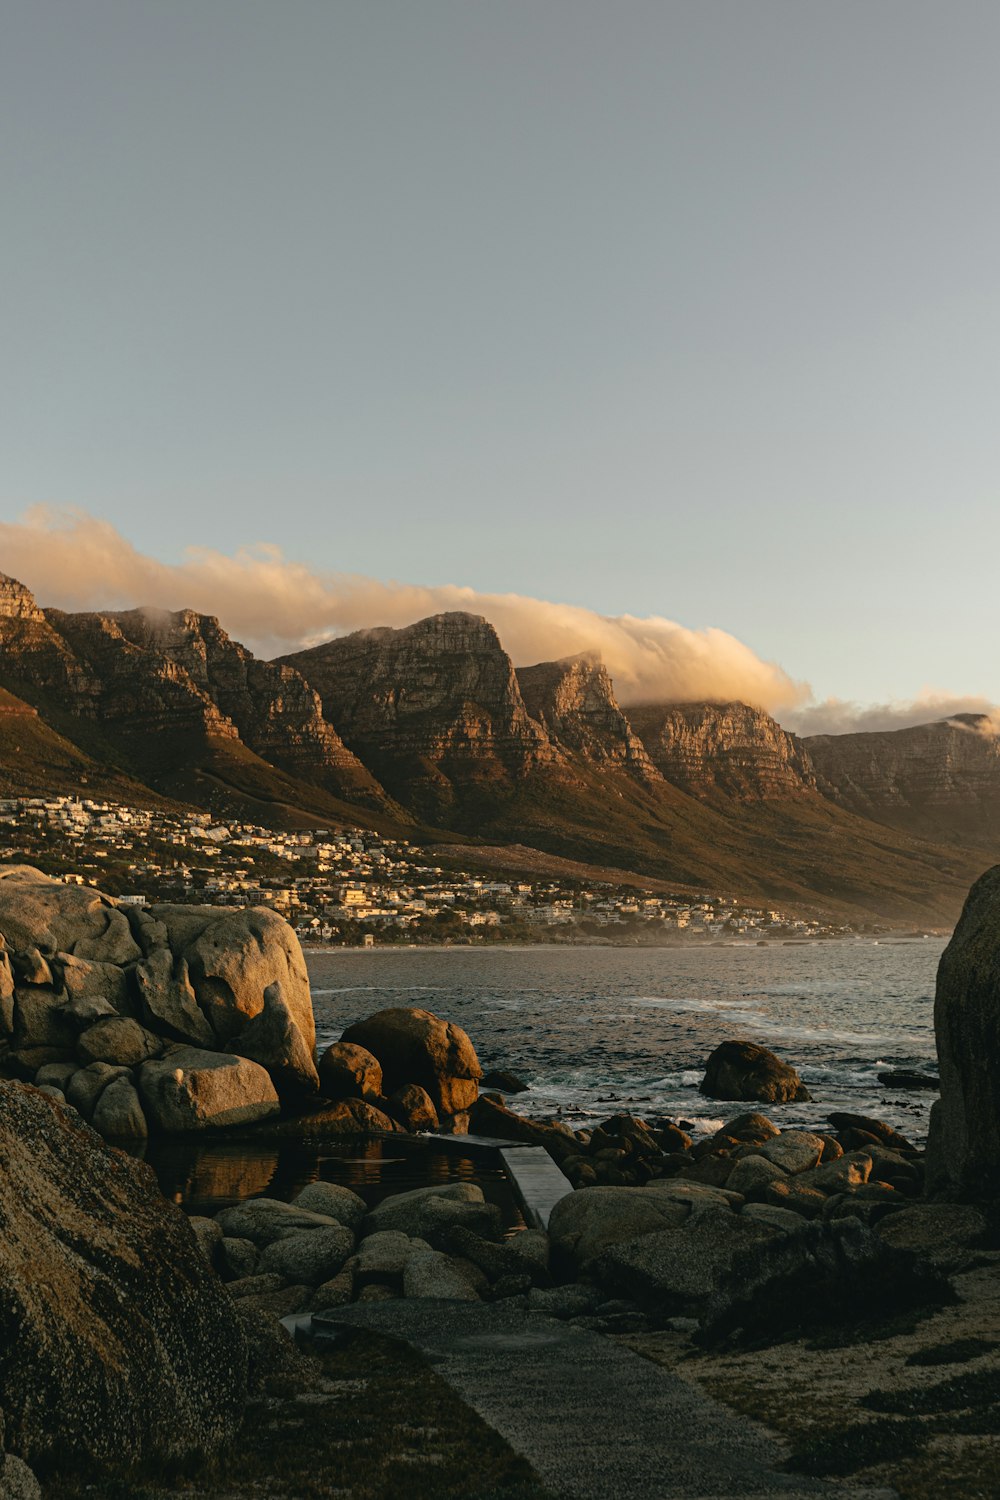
[[132, 1335]]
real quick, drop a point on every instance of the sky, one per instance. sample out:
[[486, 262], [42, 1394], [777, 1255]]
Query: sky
[[680, 312]]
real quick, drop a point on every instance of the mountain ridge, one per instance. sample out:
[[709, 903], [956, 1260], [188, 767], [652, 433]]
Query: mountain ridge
[[429, 730]]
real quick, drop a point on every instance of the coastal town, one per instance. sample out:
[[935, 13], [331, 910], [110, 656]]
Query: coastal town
[[353, 887]]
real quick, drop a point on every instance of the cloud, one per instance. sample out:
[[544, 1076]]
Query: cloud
[[74, 561], [837, 716]]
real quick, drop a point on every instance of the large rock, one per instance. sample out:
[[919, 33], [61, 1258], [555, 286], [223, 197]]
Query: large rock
[[333, 1200], [38, 912], [189, 1089], [120, 1041], [742, 1070], [264, 1220], [347, 1071], [415, 1046], [963, 1145], [429, 1273], [273, 1038], [310, 1256], [117, 1341], [430, 1213], [168, 1000], [676, 1269], [589, 1221], [118, 1115], [232, 958]]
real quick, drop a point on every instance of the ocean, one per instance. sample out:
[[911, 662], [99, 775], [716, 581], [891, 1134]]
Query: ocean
[[599, 1030]]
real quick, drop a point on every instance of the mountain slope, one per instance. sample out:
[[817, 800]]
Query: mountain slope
[[938, 780]]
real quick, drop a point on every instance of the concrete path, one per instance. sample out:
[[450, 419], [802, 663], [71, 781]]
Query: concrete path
[[595, 1420]]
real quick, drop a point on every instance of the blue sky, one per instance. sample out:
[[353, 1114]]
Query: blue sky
[[659, 308]]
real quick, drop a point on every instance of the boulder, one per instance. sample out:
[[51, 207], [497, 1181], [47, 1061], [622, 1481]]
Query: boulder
[[839, 1272], [237, 1257], [334, 1202], [347, 1071], [432, 1274], [119, 1041], [751, 1127], [793, 1194], [742, 1070], [38, 912], [876, 1130], [337, 1292], [507, 1083], [117, 1341], [232, 958], [274, 1039], [264, 1220], [963, 1144], [489, 1118], [429, 1213], [190, 1089], [87, 1085], [346, 1117], [585, 1223], [309, 1256], [118, 1114], [415, 1046], [382, 1256], [676, 1269], [88, 982], [946, 1235], [17, 1482], [793, 1150], [38, 1019], [413, 1107], [168, 1001], [498, 1261], [752, 1175]]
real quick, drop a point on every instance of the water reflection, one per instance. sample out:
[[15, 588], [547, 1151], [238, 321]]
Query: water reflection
[[205, 1176]]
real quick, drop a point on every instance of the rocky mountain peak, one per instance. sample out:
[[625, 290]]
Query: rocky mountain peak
[[574, 700], [18, 602], [729, 749], [434, 708]]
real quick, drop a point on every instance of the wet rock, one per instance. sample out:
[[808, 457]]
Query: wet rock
[[742, 1070], [507, 1083]]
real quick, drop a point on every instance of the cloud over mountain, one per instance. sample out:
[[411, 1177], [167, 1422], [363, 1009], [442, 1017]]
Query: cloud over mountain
[[76, 561]]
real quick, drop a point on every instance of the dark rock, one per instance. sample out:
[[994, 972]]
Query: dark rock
[[947, 1235], [963, 1146], [138, 1354], [677, 1269], [837, 1272], [507, 1083], [742, 1070], [903, 1078], [347, 1071], [415, 1046], [413, 1107], [843, 1121], [496, 1261]]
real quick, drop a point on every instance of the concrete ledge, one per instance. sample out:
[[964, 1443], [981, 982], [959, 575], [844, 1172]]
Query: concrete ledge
[[538, 1182]]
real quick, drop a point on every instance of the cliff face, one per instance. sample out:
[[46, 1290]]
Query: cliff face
[[724, 749], [274, 710], [434, 709], [574, 701], [137, 689], [931, 776]]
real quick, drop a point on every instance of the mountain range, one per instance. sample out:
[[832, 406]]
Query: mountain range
[[430, 732]]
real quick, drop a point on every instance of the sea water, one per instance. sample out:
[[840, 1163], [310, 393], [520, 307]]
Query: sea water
[[597, 1030]]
